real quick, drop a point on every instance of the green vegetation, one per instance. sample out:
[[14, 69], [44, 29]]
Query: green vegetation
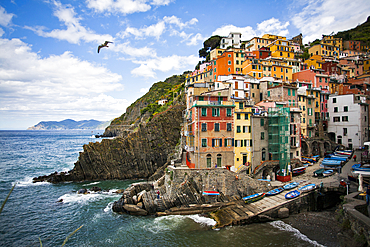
[[169, 89], [360, 33], [208, 45]]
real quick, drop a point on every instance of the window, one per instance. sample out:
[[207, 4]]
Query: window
[[228, 112], [209, 161], [204, 126], [336, 119], [204, 142], [216, 142], [345, 131], [268, 93], [215, 112], [238, 116], [204, 112], [246, 116], [293, 91], [334, 100], [262, 135], [217, 127], [201, 98], [345, 108], [229, 142], [241, 105], [344, 118], [238, 129], [288, 91], [228, 126], [335, 109], [262, 122]]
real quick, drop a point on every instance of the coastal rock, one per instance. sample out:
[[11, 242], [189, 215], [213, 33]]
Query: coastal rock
[[138, 155], [134, 210], [95, 189], [82, 191], [283, 213]]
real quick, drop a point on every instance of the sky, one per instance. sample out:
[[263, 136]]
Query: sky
[[50, 69]]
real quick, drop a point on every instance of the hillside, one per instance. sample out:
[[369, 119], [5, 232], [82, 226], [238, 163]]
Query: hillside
[[69, 124], [360, 33], [144, 108]]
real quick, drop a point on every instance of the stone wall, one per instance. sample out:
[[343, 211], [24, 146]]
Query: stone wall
[[217, 179]]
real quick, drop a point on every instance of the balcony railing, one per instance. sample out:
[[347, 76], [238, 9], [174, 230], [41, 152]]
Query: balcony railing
[[213, 103]]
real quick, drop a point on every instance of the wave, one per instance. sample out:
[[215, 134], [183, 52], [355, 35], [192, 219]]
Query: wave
[[93, 183], [85, 198], [286, 227], [108, 208], [28, 181], [202, 220]]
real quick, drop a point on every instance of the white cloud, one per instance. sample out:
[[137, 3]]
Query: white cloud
[[144, 90], [148, 67], [177, 21], [273, 26], [247, 32], [75, 32], [5, 18], [125, 48], [124, 6], [58, 85], [319, 17], [193, 40], [155, 30]]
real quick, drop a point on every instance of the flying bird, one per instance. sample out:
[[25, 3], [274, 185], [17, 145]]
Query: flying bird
[[104, 45]]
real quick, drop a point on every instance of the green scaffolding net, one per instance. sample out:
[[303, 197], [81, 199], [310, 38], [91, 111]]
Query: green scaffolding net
[[279, 133]]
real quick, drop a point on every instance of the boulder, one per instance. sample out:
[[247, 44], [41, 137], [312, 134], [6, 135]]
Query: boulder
[[283, 213], [134, 210], [95, 189], [82, 191]]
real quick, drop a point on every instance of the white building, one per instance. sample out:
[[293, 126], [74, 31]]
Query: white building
[[349, 121], [234, 40]]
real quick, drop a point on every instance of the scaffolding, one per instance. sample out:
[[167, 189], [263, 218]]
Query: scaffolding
[[279, 133]]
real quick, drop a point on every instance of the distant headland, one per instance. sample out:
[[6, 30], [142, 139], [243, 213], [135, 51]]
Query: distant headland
[[68, 124]]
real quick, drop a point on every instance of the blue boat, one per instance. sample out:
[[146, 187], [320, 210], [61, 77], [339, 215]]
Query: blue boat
[[331, 162], [361, 167], [307, 188], [254, 197], [275, 191], [290, 186], [328, 173], [292, 194], [334, 157]]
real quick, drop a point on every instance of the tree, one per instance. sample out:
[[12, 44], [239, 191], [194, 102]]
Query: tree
[[208, 45]]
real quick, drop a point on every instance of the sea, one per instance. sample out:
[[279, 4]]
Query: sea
[[34, 215]]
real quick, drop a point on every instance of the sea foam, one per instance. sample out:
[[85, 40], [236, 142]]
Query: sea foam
[[28, 181], [286, 227]]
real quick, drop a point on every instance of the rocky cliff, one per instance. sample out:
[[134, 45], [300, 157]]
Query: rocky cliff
[[138, 155]]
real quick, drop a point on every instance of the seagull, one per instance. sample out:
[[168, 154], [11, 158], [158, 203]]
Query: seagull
[[104, 45]]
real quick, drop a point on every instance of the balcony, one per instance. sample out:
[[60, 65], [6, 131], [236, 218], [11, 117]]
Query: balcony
[[213, 103], [188, 133]]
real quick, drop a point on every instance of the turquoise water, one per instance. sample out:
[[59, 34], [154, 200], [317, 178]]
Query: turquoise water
[[33, 210]]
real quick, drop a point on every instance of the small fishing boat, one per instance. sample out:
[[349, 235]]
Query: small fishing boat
[[361, 167], [347, 153], [254, 197], [318, 173], [307, 188], [335, 157], [328, 173], [299, 170], [330, 162], [274, 191], [211, 193], [292, 194], [290, 186]]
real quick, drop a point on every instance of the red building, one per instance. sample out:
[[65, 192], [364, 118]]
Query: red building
[[210, 135]]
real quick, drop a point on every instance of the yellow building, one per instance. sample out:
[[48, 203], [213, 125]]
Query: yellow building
[[324, 50], [256, 43], [331, 40], [281, 48], [252, 67], [367, 66], [242, 135], [278, 68], [315, 61]]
